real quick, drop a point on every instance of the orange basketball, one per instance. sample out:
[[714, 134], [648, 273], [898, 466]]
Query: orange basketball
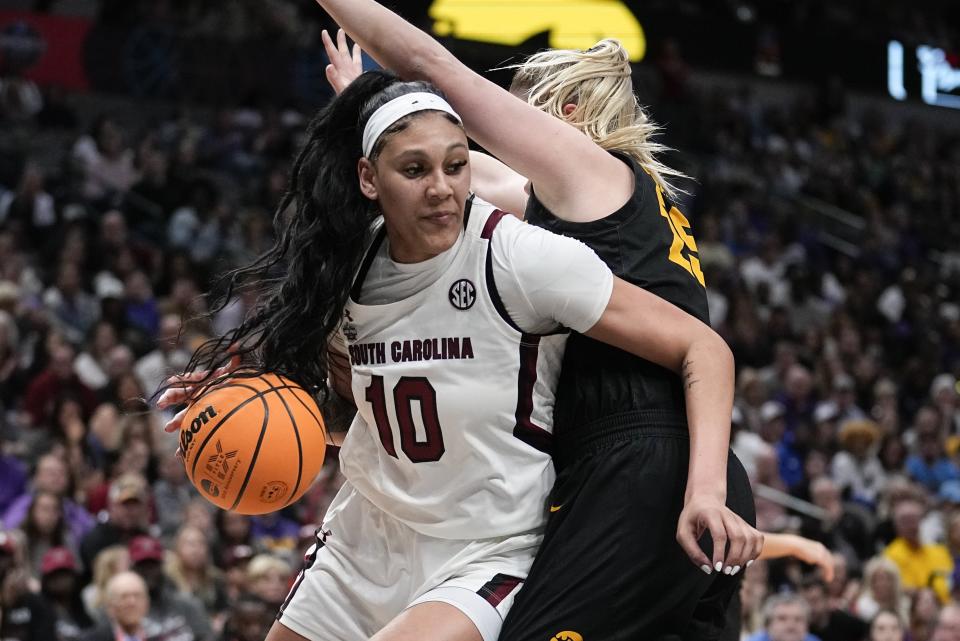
[[253, 445]]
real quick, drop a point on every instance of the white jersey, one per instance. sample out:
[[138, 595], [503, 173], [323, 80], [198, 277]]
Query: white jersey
[[455, 401]]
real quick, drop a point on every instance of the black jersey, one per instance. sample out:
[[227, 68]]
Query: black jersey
[[646, 242]]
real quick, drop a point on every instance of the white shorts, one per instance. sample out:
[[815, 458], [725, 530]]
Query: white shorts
[[367, 567]]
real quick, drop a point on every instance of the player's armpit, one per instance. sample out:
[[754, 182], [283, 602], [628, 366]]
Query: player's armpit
[[338, 414], [497, 184]]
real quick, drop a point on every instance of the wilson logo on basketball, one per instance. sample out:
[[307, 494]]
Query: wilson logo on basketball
[[219, 464], [187, 433], [463, 294]]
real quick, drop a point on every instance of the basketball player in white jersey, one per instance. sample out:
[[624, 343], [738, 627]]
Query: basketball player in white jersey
[[450, 312]]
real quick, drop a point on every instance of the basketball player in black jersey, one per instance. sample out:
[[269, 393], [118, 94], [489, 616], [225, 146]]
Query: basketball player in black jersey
[[645, 485]]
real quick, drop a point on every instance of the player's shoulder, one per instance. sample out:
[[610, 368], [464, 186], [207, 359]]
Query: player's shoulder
[[484, 218]]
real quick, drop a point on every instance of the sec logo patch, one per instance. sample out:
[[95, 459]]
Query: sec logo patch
[[463, 294]]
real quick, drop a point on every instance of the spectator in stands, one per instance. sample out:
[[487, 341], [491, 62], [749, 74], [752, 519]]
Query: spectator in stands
[[172, 615], [930, 465], [827, 623], [887, 625], [920, 565], [844, 530], [30, 211], [45, 529], [92, 364], [948, 624], [51, 476], [13, 479], [924, 610], [168, 358], [54, 381], [234, 561], [773, 431], [248, 619], [25, 615], [275, 532], [75, 310], [191, 570], [171, 493], [882, 590], [108, 563], [128, 517], [105, 161], [232, 530], [60, 585], [127, 602], [856, 469], [945, 396], [268, 577], [786, 618], [844, 400], [141, 305], [11, 376]]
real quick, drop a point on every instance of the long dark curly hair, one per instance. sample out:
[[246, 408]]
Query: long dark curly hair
[[323, 225]]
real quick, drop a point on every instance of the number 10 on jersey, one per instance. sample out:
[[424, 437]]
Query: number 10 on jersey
[[407, 390]]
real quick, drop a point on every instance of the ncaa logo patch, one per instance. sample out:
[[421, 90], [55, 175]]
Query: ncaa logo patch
[[210, 487], [463, 294]]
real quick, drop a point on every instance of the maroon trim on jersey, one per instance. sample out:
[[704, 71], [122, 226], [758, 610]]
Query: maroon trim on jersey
[[487, 234], [491, 223], [499, 588], [525, 430], [308, 561], [367, 263]]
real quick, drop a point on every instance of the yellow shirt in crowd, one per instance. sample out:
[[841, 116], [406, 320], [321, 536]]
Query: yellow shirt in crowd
[[926, 566]]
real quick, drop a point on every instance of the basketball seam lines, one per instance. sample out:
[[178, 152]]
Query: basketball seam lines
[[213, 430], [259, 394], [256, 452], [296, 433]]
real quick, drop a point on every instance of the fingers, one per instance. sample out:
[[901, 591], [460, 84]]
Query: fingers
[[718, 533], [174, 396], [357, 57], [328, 45], [735, 543], [745, 543], [739, 544], [173, 424], [342, 44], [688, 538], [824, 561]]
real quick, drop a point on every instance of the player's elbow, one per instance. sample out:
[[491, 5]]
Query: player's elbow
[[707, 342]]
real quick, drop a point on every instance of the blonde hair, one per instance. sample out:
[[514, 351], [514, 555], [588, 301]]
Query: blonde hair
[[109, 562], [880, 564], [599, 83], [263, 564]]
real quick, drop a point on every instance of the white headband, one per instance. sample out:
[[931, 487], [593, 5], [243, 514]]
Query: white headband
[[396, 109]]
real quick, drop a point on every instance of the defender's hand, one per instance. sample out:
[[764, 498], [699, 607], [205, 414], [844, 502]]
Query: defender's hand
[[344, 65], [735, 543]]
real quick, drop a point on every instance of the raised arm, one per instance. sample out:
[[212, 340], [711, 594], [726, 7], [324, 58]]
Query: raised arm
[[573, 177], [646, 325]]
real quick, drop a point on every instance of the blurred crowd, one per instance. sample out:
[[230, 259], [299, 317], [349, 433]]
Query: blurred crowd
[[847, 413]]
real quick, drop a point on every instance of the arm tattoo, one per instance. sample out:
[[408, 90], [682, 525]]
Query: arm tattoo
[[688, 379], [338, 413]]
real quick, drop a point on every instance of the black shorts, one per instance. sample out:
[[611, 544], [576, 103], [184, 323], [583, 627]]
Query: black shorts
[[610, 568]]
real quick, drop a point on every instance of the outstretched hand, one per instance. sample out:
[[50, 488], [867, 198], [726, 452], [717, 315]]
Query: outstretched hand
[[815, 553], [181, 388], [735, 542], [345, 65]]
